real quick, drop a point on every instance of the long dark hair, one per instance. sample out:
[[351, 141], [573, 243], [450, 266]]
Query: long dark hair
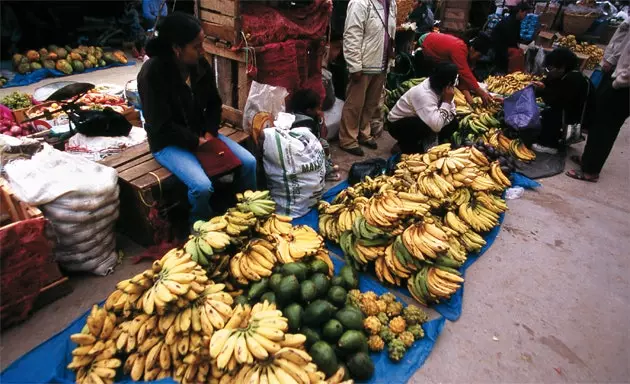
[[177, 29], [442, 76]]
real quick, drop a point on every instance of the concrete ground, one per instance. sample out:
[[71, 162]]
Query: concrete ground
[[548, 302]]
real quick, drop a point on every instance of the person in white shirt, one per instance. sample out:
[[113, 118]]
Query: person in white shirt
[[425, 114]]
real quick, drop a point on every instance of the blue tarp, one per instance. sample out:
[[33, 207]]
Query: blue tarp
[[47, 362], [40, 74]]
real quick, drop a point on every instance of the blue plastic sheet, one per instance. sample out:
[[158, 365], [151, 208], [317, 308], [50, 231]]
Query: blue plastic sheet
[[40, 74]]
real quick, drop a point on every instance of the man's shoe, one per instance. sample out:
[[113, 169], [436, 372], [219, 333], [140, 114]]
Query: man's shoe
[[357, 151], [369, 143]]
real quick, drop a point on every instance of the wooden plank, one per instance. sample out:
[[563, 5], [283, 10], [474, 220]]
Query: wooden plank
[[226, 80], [216, 18], [139, 170], [227, 131], [243, 86], [127, 155], [213, 49], [232, 116], [135, 162], [239, 136], [149, 181], [225, 7], [220, 32]]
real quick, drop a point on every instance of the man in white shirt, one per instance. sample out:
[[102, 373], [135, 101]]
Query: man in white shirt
[[425, 114]]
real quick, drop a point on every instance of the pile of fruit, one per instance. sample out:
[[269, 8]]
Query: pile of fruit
[[315, 306], [388, 322], [17, 100], [417, 225], [176, 320], [594, 53], [9, 127], [509, 84], [66, 59]]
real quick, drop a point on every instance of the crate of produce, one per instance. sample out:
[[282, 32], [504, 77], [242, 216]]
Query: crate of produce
[[29, 277], [18, 103]]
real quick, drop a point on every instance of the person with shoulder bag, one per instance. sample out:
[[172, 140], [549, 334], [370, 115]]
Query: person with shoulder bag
[[182, 108]]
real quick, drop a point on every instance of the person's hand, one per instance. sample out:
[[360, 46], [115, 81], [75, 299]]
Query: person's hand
[[208, 136], [355, 77], [448, 94], [607, 67], [202, 141], [468, 97], [486, 98], [538, 84]]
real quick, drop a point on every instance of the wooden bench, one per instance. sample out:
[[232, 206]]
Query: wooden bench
[[142, 180]]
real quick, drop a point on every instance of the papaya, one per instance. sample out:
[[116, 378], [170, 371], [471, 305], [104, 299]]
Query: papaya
[[77, 66], [32, 55], [35, 66], [92, 59], [17, 59], [52, 48], [48, 64], [23, 68], [75, 56], [43, 52], [87, 64], [61, 53], [120, 57], [109, 58], [52, 56]]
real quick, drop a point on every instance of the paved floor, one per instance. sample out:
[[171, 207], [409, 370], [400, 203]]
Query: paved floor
[[549, 302]]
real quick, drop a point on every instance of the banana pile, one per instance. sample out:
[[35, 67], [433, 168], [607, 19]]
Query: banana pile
[[254, 347], [428, 215], [515, 147], [275, 224], [509, 84], [594, 53], [256, 202]]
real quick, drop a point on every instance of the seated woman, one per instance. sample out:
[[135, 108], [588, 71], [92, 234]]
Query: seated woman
[[425, 113], [182, 108], [564, 90]]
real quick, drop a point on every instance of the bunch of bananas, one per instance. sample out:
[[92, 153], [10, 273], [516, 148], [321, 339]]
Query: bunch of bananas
[[203, 246], [256, 202], [300, 242], [478, 123], [334, 219], [431, 284], [509, 84], [275, 224], [255, 261], [519, 150], [594, 53], [94, 357]]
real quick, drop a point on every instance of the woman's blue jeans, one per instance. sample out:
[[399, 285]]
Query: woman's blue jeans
[[183, 164]]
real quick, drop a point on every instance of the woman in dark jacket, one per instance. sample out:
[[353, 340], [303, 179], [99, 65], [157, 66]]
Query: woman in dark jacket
[[182, 108]]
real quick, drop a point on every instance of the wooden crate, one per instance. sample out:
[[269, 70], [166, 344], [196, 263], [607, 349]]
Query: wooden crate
[[231, 66], [221, 20], [454, 15], [142, 179], [12, 211]]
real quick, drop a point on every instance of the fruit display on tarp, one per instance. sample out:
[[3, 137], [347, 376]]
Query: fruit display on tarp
[[417, 225], [17, 100], [594, 53], [66, 60], [315, 305], [389, 324]]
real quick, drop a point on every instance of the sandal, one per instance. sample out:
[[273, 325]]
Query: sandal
[[333, 177], [579, 175], [576, 159]]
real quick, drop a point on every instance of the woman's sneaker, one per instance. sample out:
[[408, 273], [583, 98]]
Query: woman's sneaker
[[543, 149]]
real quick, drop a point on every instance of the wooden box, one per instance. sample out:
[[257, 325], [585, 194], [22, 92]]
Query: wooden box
[[231, 66], [221, 20]]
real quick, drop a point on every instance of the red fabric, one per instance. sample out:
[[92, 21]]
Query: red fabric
[[24, 253], [442, 47], [516, 60], [293, 64], [216, 158], [263, 24], [162, 236]]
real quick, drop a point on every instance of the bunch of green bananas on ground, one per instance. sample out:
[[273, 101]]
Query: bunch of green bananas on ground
[[478, 123], [257, 202], [392, 97], [432, 284]]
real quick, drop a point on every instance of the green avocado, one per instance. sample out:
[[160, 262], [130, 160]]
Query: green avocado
[[294, 313], [324, 357], [332, 330]]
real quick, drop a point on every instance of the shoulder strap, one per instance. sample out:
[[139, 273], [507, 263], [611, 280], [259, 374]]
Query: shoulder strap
[[386, 6]]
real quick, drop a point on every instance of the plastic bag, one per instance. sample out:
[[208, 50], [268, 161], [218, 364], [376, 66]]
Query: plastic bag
[[81, 256], [101, 266], [262, 98], [71, 229], [295, 165], [521, 111], [80, 202], [68, 216], [372, 168]]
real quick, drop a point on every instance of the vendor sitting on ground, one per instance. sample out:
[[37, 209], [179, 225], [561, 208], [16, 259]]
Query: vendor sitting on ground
[[444, 48], [425, 114], [182, 108], [306, 105], [564, 91]]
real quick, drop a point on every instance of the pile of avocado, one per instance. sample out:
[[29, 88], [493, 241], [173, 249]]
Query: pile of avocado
[[315, 306]]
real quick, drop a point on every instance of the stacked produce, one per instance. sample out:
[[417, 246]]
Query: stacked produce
[[508, 84], [389, 323], [418, 224], [67, 60], [9, 127], [315, 306], [594, 53], [17, 100]]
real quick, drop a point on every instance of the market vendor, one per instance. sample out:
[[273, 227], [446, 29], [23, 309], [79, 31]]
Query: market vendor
[[506, 36], [565, 90], [444, 48], [182, 108], [425, 114]]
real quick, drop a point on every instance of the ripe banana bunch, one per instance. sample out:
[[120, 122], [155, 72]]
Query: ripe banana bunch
[[472, 241], [288, 365], [254, 262], [435, 185], [93, 358], [431, 284], [509, 84], [301, 242], [256, 202], [460, 101], [424, 240], [460, 196], [217, 223], [203, 246], [390, 269], [362, 251], [329, 227], [251, 334], [385, 210], [414, 163], [492, 202], [480, 218], [218, 270], [277, 224], [239, 222], [519, 150], [479, 123], [175, 278], [498, 176]]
